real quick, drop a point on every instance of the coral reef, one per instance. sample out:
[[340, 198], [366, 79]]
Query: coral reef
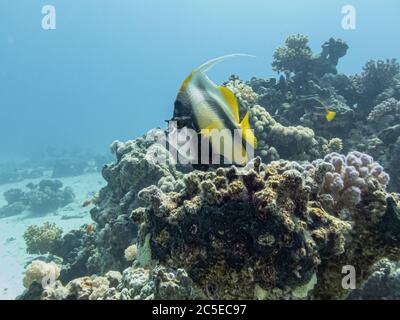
[[42, 239], [379, 136], [276, 141], [376, 78], [310, 85], [383, 284], [347, 179], [282, 240], [280, 228], [277, 229], [68, 168], [40, 272], [385, 114], [69, 162], [10, 173], [84, 252], [131, 252], [137, 283], [41, 198], [243, 92]]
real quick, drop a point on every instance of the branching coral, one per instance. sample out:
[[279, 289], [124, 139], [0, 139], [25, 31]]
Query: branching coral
[[294, 57], [297, 57], [42, 239], [385, 114], [276, 140], [346, 179], [376, 78], [244, 93], [333, 145]]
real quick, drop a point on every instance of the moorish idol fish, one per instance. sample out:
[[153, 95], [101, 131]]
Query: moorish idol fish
[[205, 107]]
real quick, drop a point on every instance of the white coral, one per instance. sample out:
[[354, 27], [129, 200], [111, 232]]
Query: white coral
[[42, 273], [242, 91], [131, 253]]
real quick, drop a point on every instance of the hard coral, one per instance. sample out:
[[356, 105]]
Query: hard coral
[[294, 57], [276, 140], [42, 239], [346, 179], [40, 272], [280, 233]]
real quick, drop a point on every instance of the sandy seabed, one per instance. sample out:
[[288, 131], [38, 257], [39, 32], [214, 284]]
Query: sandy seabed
[[13, 256]]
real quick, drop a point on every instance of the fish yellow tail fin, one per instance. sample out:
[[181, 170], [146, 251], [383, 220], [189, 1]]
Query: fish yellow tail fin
[[330, 115], [248, 134], [211, 63]]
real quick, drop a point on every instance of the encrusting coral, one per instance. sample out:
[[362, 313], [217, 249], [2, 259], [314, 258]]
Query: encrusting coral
[[104, 249], [277, 229], [134, 284], [383, 284], [282, 241]]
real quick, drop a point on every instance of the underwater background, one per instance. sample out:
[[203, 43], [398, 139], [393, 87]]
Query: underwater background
[[111, 71]]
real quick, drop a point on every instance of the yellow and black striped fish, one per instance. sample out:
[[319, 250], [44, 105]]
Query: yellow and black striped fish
[[206, 106]]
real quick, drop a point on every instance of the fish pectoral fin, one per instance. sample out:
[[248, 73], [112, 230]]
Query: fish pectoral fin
[[330, 115], [230, 98], [248, 134]]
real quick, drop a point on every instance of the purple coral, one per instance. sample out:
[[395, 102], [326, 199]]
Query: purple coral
[[346, 178]]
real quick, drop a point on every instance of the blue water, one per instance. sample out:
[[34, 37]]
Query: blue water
[[111, 69]]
